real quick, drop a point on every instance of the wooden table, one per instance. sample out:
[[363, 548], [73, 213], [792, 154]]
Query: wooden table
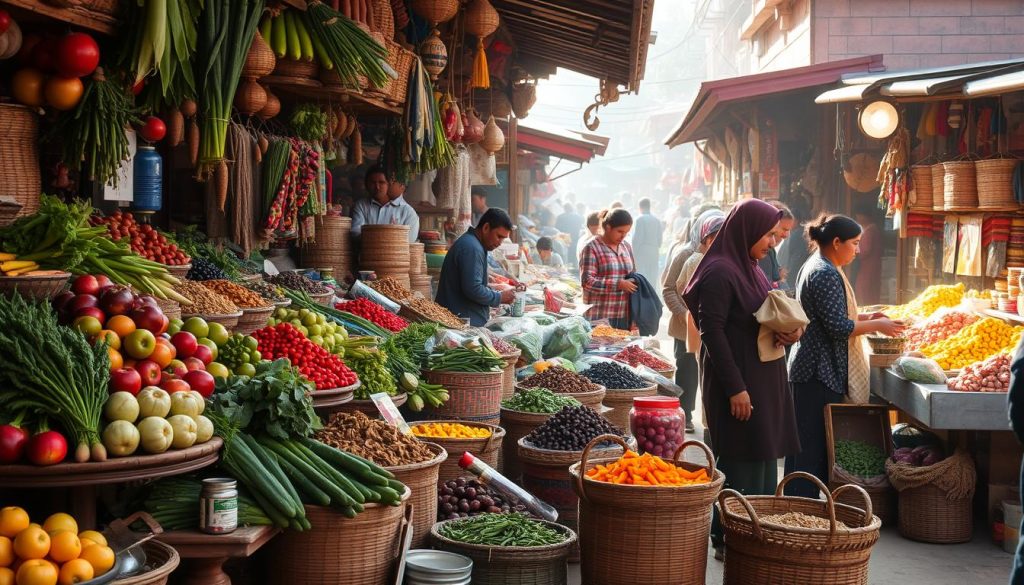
[[203, 555]]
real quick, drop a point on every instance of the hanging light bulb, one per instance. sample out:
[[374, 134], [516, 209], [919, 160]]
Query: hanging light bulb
[[879, 119]]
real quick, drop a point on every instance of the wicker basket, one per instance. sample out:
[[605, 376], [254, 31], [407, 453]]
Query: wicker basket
[[886, 345], [508, 375], [19, 149], [369, 407], [421, 479], [435, 11], [253, 319], [621, 401], [960, 187], [324, 299], [402, 64], [921, 177], [759, 552], [34, 287], [926, 515], [485, 449], [508, 565], [592, 398], [517, 424], [473, 396], [333, 248], [994, 178], [9, 210], [179, 271], [384, 18], [292, 69], [417, 259], [228, 321], [338, 550], [938, 189], [663, 529], [161, 561], [170, 307]]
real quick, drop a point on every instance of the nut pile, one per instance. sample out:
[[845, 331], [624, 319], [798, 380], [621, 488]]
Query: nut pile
[[266, 290], [463, 497], [237, 294], [373, 439], [435, 312], [561, 380], [801, 520], [615, 376], [296, 281], [390, 288], [204, 300], [570, 429]]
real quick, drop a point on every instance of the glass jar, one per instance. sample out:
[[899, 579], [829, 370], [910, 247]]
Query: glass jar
[[658, 424], [218, 506]]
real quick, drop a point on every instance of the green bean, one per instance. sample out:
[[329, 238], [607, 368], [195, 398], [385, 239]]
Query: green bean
[[502, 530], [539, 400]]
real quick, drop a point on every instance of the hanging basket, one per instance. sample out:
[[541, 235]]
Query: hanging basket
[[481, 18], [994, 178], [524, 95], [19, 151], [921, 176], [434, 54], [260, 61], [436, 11], [250, 97], [960, 187], [938, 190]]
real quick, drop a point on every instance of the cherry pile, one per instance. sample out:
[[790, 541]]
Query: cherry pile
[[374, 313], [145, 241], [321, 367], [635, 356]]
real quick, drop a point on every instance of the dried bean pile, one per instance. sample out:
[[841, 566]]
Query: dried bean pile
[[390, 288], [561, 380], [296, 281], [801, 520], [615, 376], [570, 429], [204, 300], [435, 312], [237, 294], [463, 497], [373, 439]]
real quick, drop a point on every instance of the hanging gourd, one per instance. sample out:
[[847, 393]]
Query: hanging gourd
[[481, 22], [494, 138], [434, 54]]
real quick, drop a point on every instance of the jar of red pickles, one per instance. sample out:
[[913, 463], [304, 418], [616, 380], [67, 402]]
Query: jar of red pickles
[[658, 424]]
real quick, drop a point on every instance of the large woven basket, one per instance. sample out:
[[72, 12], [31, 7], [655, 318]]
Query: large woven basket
[[994, 178], [921, 176], [472, 396], [517, 424], [663, 529], [960, 187], [179, 271], [883, 500], [292, 69], [508, 375], [170, 307], [338, 550], [421, 479], [760, 552], [19, 151], [9, 210], [592, 398], [620, 401], [161, 561], [938, 188], [925, 514], [507, 565], [253, 319], [485, 449], [417, 259], [402, 63], [384, 18], [34, 287], [324, 299]]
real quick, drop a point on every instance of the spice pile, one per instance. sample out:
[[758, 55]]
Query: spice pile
[[373, 313], [435, 312], [390, 288], [801, 520], [462, 498], [501, 530], [609, 331], [615, 376], [561, 380], [538, 400], [296, 281], [324, 369], [204, 300], [635, 356], [373, 439], [237, 294], [450, 431], [570, 429], [646, 469]]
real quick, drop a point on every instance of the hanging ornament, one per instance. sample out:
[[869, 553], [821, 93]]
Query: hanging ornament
[[436, 11], [260, 60], [494, 138], [481, 21], [474, 131], [434, 54]]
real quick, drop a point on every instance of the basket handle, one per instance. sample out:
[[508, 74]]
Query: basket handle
[[755, 521], [868, 512], [711, 467], [490, 438], [586, 455], [829, 500]]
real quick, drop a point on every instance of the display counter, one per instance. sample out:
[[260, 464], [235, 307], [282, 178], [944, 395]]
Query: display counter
[[941, 409]]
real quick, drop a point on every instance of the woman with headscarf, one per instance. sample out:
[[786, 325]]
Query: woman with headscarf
[[747, 402]]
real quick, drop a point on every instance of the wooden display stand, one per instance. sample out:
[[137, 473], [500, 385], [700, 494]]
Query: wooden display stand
[[203, 555]]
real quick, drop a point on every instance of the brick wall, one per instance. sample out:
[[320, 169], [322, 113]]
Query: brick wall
[[917, 33]]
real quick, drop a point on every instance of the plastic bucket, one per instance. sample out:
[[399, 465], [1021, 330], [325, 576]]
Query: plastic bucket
[[1011, 525]]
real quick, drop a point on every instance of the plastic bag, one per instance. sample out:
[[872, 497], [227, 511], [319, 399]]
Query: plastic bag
[[567, 338], [920, 370], [541, 365], [522, 333], [451, 338], [360, 290]]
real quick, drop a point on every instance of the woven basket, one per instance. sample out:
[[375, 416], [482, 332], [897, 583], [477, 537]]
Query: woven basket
[[593, 398], [373, 89], [161, 561], [179, 271], [417, 259], [486, 449], [422, 285], [759, 552], [921, 176], [663, 529], [938, 189], [228, 321], [473, 396], [292, 69], [260, 60], [994, 178], [508, 565], [421, 479], [324, 299], [338, 550], [621, 401], [384, 18], [524, 95], [517, 424], [402, 65], [9, 211], [883, 500], [960, 187], [19, 150], [34, 287], [253, 319], [926, 515], [170, 307], [435, 11], [508, 375]]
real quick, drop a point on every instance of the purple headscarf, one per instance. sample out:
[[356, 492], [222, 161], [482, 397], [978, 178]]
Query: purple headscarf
[[747, 222]]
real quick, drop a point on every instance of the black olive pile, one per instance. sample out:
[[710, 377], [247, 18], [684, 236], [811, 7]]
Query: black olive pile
[[570, 429], [296, 281], [462, 498], [203, 269], [615, 376]]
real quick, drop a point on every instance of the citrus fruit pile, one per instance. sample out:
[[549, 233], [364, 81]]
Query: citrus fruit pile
[[932, 299], [974, 343], [51, 554]]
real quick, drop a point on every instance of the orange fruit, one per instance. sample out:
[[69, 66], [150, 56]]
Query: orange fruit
[[163, 353], [110, 336], [75, 571], [12, 521], [6, 576], [64, 546], [32, 543], [116, 360], [61, 521], [27, 87], [6, 552], [63, 93], [121, 324], [93, 536], [100, 557], [37, 572]]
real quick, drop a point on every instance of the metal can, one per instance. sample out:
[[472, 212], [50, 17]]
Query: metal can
[[218, 506], [519, 305]]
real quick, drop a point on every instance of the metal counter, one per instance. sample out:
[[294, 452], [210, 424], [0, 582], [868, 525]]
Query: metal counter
[[943, 409]]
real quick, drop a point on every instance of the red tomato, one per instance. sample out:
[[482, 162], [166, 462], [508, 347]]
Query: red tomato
[[153, 130], [77, 55]]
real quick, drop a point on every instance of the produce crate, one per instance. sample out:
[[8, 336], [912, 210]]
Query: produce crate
[[867, 423]]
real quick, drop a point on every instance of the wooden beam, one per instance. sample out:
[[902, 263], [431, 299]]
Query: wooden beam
[[545, 22], [545, 44], [580, 9]]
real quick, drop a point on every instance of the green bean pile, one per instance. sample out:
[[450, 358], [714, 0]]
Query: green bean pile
[[461, 359], [860, 458], [501, 530], [539, 400]]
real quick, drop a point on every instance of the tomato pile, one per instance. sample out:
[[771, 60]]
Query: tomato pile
[[938, 328], [145, 241], [374, 313], [635, 356], [321, 367]]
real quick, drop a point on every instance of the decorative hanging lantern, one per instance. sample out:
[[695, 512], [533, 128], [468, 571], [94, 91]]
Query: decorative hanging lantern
[[260, 60], [250, 97], [434, 54], [494, 138], [436, 11], [481, 21]]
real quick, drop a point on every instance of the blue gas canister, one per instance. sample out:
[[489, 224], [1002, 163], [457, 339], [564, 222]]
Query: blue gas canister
[[148, 189]]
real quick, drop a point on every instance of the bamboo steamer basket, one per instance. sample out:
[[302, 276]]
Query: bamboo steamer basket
[[994, 178], [513, 565], [385, 250], [487, 449], [938, 188], [417, 259], [664, 529], [620, 401], [761, 552], [517, 424], [421, 479], [332, 248], [421, 283], [472, 396], [921, 175], [19, 150], [960, 187], [338, 550]]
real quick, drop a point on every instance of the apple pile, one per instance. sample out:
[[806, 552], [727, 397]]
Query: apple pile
[[155, 420], [144, 239]]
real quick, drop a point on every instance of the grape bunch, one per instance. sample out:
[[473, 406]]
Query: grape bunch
[[240, 354]]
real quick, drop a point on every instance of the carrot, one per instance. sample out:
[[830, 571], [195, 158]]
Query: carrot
[[346, 8], [175, 126], [193, 141], [221, 184], [647, 469], [188, 108]]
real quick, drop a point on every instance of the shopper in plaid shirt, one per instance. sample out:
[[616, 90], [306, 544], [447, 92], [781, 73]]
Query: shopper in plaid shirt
[[606, 261]]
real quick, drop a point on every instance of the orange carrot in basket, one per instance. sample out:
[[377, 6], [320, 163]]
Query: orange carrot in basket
[[647, 469]]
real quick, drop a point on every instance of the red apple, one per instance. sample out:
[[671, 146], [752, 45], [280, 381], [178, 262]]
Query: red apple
[[85, 285], [150, 372], [185, 343], [94, 312], [194, 363], [117, 300], [175, 385], [149, 318], [62, 301], [103, 281], [83, 301], [125, 380], [202, 382], [146, 300], [164, 324], [204, 353], [139, 344], [177, 368]]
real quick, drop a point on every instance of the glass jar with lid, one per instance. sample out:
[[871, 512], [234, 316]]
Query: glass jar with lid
[[658, 424]]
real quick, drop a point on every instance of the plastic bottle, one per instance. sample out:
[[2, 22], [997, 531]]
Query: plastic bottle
[[147, 194], [492, 478]]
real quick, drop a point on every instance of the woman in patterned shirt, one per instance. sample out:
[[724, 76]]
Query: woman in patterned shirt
[[606, 261], [828, 364]]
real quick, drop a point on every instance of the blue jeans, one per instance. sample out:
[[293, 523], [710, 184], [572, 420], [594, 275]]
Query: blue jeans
[[1017, 575]]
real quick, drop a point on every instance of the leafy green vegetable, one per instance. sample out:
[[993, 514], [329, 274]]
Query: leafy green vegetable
[[275, 401], [309, 122]]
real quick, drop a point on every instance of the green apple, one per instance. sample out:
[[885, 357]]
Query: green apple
[[196, 326], [250, 343], [218, 334], [245, 370], [317, 339], [316, 330], [210, 344], [139, 344], [90, 326], [218, 370], [309, 319], [281, 313], [174, 326]]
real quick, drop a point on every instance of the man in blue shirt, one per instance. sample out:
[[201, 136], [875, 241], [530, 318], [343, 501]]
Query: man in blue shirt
[[384, 206], [462, 287]]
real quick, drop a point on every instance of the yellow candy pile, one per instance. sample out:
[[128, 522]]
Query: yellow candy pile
[[450, 431], [930, 300], [985, 295], [974, 343]]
